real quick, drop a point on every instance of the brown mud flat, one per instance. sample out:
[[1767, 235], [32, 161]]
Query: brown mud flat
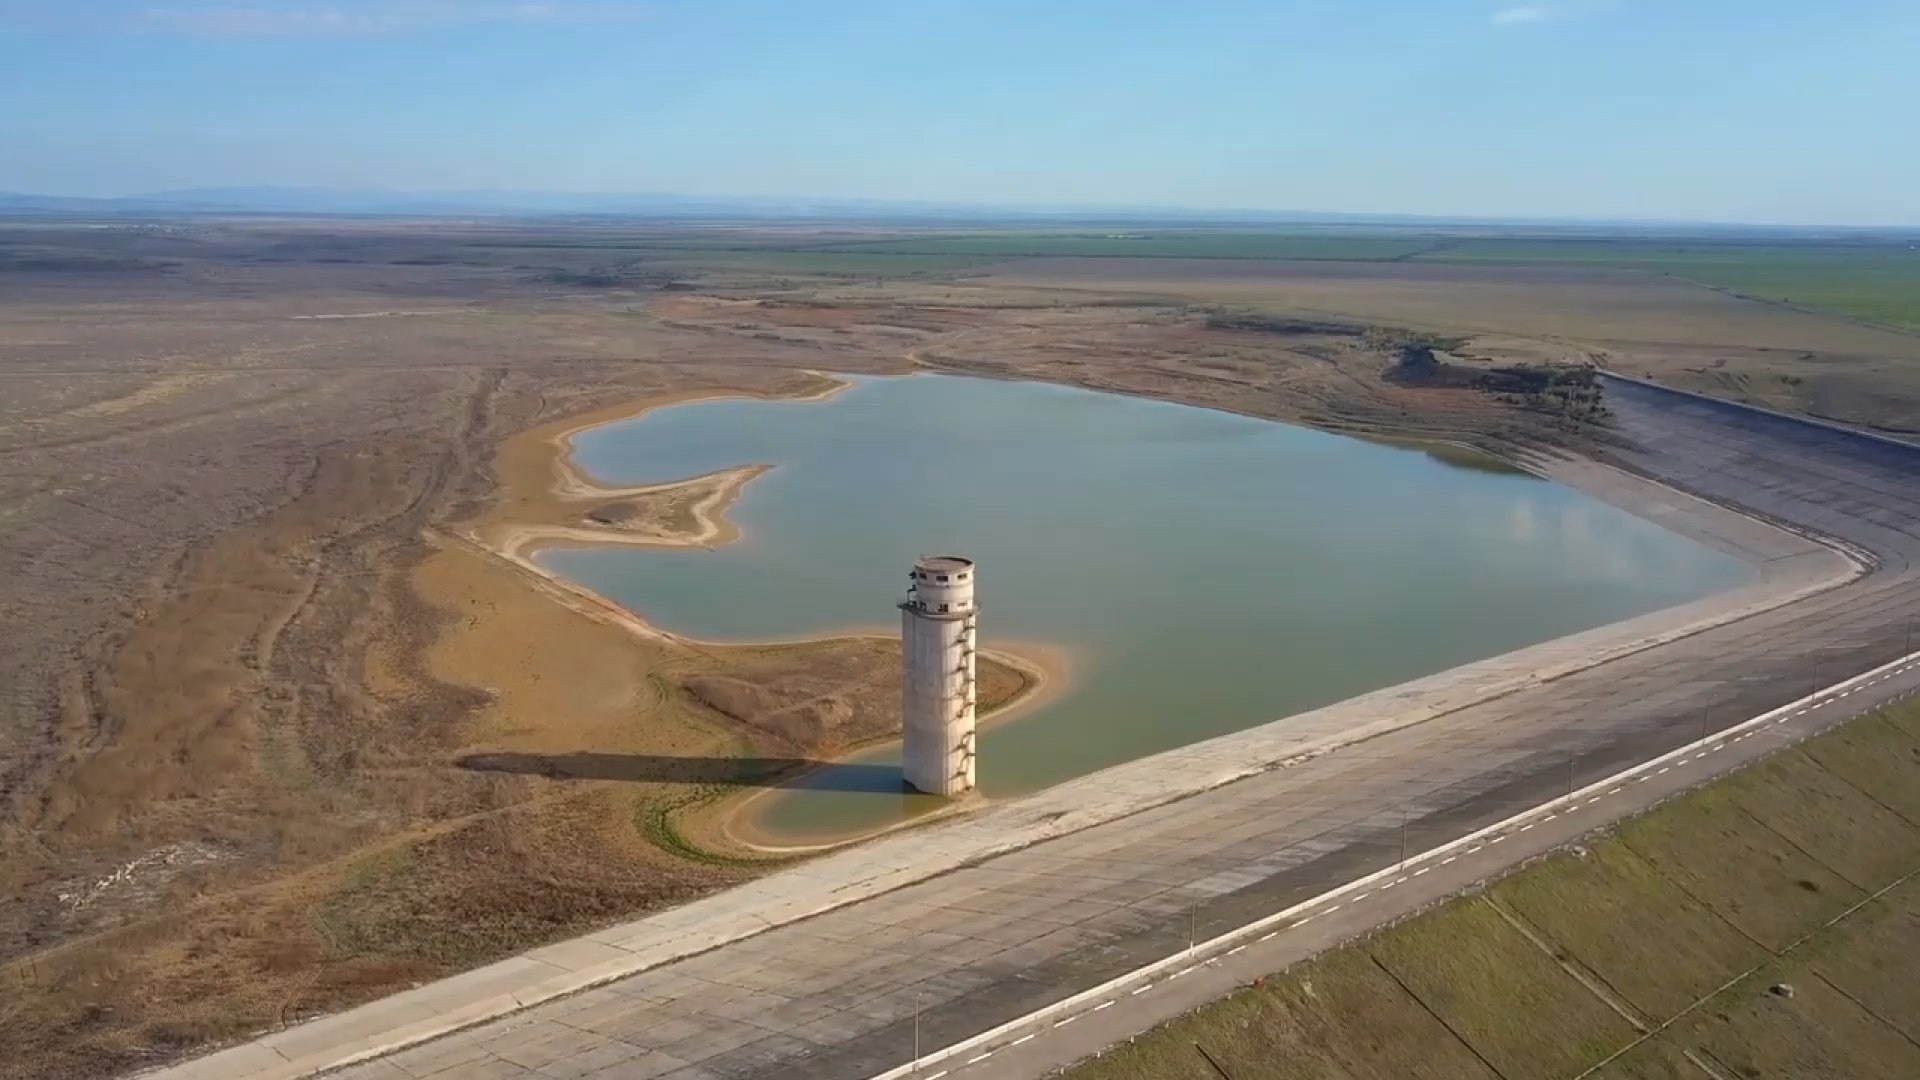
[[278, 736]]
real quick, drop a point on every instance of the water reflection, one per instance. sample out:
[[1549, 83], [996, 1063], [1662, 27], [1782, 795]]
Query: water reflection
[[1207, 571]]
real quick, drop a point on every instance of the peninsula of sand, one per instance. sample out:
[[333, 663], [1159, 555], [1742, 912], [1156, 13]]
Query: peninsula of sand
[[781, 708]]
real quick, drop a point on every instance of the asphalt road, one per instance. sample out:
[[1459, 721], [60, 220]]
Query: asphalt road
[[845, 994]]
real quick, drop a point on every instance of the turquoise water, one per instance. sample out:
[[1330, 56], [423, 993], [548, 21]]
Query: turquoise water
[[1202, 572]]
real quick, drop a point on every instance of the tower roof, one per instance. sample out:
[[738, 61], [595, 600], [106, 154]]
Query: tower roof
[[942, 564]]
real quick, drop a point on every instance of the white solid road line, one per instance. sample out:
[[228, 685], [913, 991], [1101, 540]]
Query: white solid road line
[[1492, 834]]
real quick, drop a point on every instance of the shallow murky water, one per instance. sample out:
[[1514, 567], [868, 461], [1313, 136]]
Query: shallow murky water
[[1202, 572]]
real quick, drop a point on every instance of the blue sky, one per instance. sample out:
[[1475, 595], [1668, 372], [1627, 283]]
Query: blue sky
[[1763, 110]]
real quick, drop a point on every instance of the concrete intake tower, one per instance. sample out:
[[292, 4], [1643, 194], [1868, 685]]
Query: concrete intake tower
[[937, 624]]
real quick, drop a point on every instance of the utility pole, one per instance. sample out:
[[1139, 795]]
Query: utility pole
[[918, 995]]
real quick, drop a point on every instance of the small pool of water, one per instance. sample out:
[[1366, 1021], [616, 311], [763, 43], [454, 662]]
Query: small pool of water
[[1202, 572]]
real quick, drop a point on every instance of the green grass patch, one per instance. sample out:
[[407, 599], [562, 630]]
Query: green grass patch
[[1828, 818], [1153, 243], [1878, 758], [1715, 851], [816, 263], [1876, 282], [1472, 969], [1655, 1059], [1906, 718], [1813, 1031], [1348, 1020], [1580, 905], [1874, 960]]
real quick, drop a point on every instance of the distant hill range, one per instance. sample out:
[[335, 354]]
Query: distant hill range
[[303, 200], [361, 202]]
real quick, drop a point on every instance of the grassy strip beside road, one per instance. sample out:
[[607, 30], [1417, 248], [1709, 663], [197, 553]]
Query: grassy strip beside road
[[1763, 926]]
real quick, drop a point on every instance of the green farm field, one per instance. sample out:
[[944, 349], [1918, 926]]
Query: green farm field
[[1764, 926], [1872, 280], [1121, 243]]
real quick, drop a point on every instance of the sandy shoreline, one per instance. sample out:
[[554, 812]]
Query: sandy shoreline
[[545, 495], [1048, 673], [567, 494]]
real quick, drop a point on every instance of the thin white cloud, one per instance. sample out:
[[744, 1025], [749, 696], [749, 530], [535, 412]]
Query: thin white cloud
[[1522, 14], [364, 18], [1555, 11]]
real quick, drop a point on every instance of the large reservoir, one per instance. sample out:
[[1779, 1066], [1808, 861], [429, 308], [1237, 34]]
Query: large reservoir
[[1201, 572]]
